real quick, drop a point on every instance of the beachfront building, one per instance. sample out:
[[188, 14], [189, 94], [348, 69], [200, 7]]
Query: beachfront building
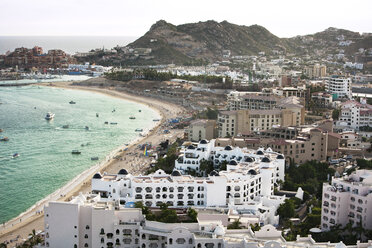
[[339, 87], [201, 130], [348, 200], [355, 115], [87, 222]]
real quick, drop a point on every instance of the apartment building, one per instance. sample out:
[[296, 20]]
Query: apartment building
[[339, 87], [355, 115], [201, 130], [233, 123], [348, 200], [322, 99], [316, 71], [251, 100], [87, 222]]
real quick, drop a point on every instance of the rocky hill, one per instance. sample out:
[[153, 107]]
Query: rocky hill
[[207, 40]]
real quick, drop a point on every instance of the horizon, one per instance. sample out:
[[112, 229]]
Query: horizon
[[284, 19]]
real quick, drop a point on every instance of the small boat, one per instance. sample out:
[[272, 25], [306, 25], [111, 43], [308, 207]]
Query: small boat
[[87, 128], [156, 120], [97, 115], [94, 158], [113, 110], [113, 123], [106, 122], [4, 139], [49, 116], [139, 130], [139, 111], [1, 130], [65, 126], [76, 152], [72, 102], [15, 155], [132, 117]]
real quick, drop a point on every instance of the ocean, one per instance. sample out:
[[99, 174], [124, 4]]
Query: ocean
[[45, 161], [69, 44]]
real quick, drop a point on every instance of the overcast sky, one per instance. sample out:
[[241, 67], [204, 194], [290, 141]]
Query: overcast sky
[[284, 18]]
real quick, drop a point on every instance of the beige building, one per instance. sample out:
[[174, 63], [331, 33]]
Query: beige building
[[232, 123], [201, 129], [303, 145], [316, 71]]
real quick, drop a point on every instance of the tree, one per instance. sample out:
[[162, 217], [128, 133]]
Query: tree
[[235, 225], [335, 114], [193, 215], [286, 210]]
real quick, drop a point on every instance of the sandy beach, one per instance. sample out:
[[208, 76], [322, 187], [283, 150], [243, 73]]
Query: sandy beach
[[132, 159]]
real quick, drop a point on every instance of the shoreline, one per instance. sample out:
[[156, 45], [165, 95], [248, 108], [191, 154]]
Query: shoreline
[[81, 182]]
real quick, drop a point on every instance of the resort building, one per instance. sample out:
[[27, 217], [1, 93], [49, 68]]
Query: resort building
[[87, 222], [348, 200], [201, 129], [338, 86], [355, 115], [322, 99]]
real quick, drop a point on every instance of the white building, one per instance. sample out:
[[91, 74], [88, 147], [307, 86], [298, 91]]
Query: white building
[[87, 222], [339, 86], [355, 115], [348, 199]]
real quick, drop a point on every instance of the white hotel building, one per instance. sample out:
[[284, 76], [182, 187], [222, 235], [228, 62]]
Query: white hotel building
[[86, 222], [348, 199], [249, 174], [355, 115], [339, 86]]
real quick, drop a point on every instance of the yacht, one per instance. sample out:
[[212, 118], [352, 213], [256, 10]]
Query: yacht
[[49, 116]]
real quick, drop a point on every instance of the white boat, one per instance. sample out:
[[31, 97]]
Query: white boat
[[49, 116]]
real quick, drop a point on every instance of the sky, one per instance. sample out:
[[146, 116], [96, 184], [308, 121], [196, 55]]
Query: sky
[[284, 18]]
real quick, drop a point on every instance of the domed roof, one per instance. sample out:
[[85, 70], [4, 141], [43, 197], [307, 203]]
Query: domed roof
[[214, 173], [265, 160], [259, 152], [248, 160], [280, 156], [176, 173], [252, 172], [97, 176], [123, 172], [191, 147], [203, 142], [233, 162], [228, 148], [219, 231]]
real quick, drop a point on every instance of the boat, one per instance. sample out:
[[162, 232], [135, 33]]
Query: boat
[[15, 155], [139, 130], [97, 115], [76, 152], [156, 120], [72, 102], [139, 111], [113, 123], [65, 126], [1, 130], [87, 128], [106, 122], [94, 158], [49, 116], [4, 139], [132, 117]]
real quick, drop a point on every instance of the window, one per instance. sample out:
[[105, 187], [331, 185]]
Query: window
[[86, 236], [87, 227], [85, 245]]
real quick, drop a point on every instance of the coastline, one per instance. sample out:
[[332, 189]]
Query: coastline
[[32, 218]]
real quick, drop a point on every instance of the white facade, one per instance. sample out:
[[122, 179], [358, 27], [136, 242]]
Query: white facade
[[348, 199], [86, 222], [355, 115], [339, 86]]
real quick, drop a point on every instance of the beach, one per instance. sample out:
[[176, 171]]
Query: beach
[[132, 159]]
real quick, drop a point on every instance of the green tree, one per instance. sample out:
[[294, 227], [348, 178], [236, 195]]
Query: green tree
[[286, 210], [193, 215], [235, 225], [335, 114]]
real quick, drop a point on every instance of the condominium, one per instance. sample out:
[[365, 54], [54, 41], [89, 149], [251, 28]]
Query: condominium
[[87, 222], [338, 86], [316, 71], [348, 200], [355, 115], [201, 129]]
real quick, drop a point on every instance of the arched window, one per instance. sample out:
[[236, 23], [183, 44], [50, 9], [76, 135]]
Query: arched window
[[102, 240], [170, 241], [143, 236], [117, 232], [190, 241], [86, 236], [87, 227], [86, 245], [75, 245]]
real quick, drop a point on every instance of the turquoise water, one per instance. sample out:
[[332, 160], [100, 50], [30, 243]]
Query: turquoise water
[[45, 162], [59, 78]]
